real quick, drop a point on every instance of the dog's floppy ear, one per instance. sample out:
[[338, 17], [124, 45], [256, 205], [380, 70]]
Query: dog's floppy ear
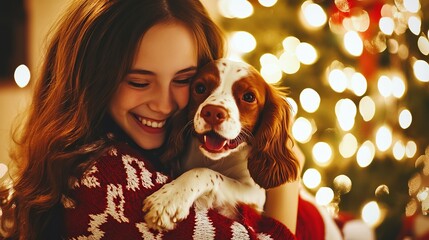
[[271, 161]]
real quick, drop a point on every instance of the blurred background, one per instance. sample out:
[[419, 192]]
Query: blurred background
[[358, 79]]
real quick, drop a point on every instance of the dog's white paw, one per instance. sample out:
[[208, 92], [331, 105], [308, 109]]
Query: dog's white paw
[[166, 207]]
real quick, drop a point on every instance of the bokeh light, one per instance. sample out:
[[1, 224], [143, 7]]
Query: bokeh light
[[383, 138], [311, 178], [353, 43], [302, 130], [309, 99], [22, 76], [371, 213], [324, 196], [322, 153], [365, 154]]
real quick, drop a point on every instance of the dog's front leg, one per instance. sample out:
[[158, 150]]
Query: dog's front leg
[[173, 201]]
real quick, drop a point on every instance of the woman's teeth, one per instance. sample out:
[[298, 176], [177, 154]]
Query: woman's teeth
[[153, 124]]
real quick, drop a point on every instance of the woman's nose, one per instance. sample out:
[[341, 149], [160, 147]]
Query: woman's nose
[[163, 101]]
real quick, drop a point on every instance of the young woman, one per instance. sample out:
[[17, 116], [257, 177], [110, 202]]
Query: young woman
[[115, 73]]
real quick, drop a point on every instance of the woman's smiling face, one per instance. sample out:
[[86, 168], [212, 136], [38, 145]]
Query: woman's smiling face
[[157, 85]]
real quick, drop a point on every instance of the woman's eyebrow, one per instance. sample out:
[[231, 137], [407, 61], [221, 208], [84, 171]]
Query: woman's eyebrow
[[147, 72]]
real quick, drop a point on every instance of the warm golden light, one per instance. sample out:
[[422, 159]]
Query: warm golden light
[[311, 178]]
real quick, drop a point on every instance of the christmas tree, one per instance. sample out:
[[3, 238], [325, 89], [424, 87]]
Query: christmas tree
[[357, 73]]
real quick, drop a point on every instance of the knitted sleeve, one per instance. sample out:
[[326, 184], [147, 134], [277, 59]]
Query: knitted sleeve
[[107, 203]]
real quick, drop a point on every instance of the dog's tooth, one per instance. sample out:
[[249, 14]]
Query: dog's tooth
[[205, 138]]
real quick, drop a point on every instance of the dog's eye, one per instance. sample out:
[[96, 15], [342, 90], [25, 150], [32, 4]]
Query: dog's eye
[[200, 88], [249, 97]]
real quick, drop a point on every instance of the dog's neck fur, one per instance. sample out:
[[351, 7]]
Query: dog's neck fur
[[233, 166]]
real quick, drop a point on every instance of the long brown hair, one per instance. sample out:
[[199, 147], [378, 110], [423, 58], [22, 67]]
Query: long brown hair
[[90, 51]]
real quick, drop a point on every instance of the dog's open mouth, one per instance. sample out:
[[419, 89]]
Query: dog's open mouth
[[215, 143]]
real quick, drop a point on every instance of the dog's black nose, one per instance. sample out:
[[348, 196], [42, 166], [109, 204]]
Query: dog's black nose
[[213, 114]]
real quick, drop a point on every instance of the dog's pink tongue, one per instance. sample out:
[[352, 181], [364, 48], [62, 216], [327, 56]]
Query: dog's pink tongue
[[213, 142]]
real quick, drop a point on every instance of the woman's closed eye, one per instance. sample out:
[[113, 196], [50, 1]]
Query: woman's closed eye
[[183, 81], [137, 84]]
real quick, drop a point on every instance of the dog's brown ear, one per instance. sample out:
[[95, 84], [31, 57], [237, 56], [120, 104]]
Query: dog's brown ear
[[271, 161]]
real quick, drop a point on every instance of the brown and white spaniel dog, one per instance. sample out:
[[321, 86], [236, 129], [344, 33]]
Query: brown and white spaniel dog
[[233, 143]]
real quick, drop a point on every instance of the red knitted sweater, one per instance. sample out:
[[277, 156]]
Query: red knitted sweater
[[108, 203]]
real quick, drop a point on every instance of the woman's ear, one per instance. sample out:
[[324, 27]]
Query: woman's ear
[[271, 160]]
